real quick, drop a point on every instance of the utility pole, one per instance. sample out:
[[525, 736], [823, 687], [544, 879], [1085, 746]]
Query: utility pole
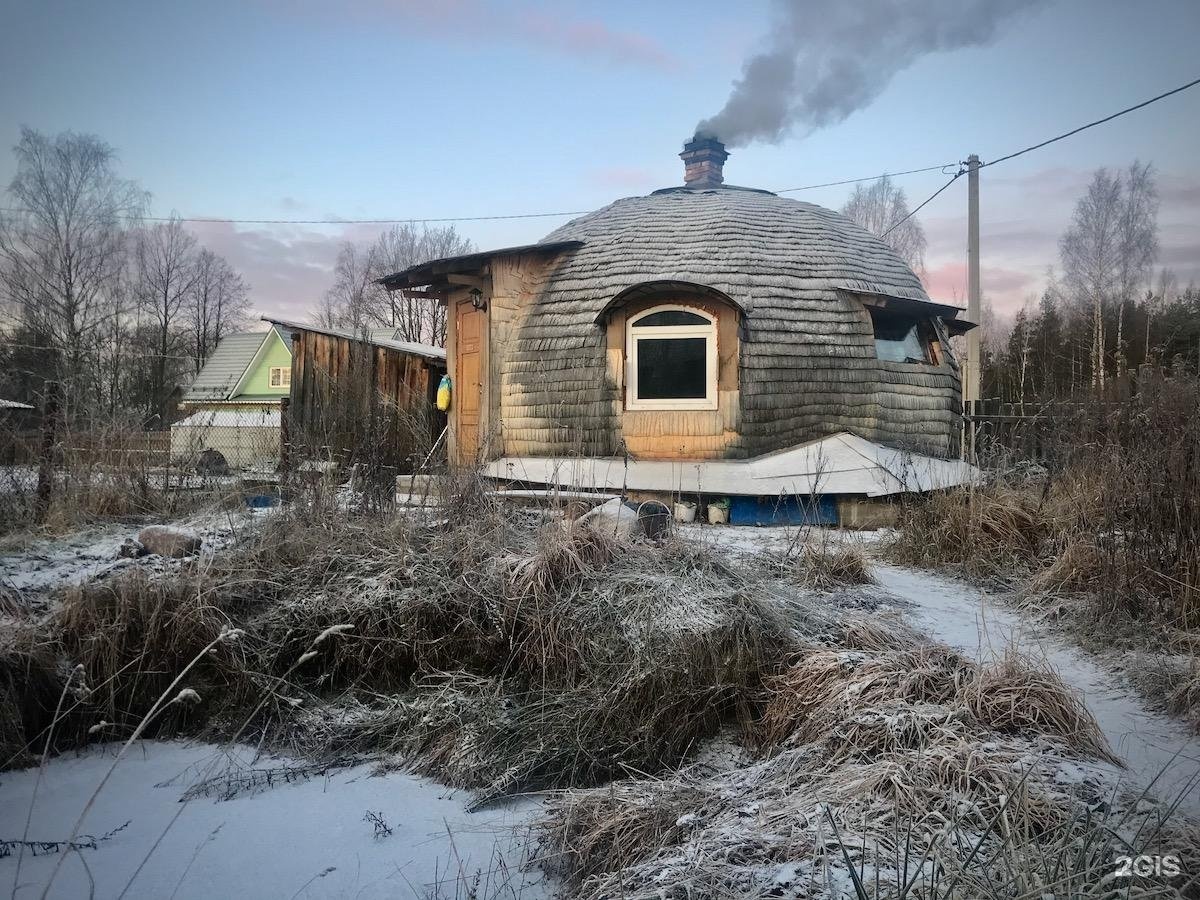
[[974, 348]]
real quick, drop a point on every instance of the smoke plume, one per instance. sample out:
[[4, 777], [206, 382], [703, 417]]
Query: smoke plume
[[827, 58]]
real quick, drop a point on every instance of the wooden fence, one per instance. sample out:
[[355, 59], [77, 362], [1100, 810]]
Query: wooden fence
[[121, 448]]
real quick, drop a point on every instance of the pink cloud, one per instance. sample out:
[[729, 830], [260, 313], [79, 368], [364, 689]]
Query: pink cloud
[[544, 26], [595, 38], [288, 268], [1006, 288]]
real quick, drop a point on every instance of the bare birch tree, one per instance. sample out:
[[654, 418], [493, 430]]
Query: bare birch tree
[[878, 208], [62, 250], [1108, 251], [217, 306], [356, 301], [166, 277], [350, 303]]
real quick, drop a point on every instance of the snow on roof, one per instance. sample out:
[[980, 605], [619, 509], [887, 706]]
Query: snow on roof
[[13, 404], [257, 417], [380, 337]]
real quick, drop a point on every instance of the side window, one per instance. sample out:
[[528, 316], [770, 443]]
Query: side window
[[280, 376], [900, 338], [671, 356]]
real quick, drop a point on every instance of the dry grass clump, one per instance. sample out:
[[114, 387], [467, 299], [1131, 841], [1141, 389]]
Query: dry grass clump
[[624, 665], [823, 563], [573, 657], [826, 567], [30, 686], [993, 532], [1172, 680], [907, 765], [1016, 695], [1076, 567], [135, 633], [948, 820], [826, 686], [600, 831], [856, 692]]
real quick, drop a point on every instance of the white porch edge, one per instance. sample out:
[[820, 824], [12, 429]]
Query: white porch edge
[[840, 464]]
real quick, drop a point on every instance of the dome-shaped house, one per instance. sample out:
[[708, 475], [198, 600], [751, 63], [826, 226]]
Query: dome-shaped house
[[706, 339]]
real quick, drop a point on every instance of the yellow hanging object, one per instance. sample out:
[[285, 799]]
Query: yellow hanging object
[[443, 393]]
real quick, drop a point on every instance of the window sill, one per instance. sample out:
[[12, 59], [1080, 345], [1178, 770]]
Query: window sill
[[670, 405]]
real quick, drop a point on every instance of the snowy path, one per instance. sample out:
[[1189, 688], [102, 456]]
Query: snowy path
[[1149, 742], [303, 839]]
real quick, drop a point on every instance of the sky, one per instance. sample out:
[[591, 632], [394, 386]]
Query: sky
[[299, 109]]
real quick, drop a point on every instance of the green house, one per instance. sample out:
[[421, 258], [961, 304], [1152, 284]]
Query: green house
[[233, 405]]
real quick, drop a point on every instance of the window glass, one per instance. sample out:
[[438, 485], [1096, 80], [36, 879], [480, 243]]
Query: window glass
[[898, 339], [668, 317], [672, 368]]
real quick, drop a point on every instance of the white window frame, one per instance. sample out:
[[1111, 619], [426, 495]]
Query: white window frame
[[285, 376], [633, 334]]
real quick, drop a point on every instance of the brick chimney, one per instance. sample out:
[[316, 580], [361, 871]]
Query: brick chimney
[[703, 159]]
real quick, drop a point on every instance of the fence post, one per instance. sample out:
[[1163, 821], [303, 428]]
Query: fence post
[[285, 435], [50, 416]]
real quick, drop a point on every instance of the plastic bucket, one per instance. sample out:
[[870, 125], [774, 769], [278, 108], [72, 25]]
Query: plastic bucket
[[685, 511]]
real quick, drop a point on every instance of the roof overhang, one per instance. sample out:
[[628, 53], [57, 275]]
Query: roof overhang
[[426, 351], [913, 307], [439, 271], [646, 289]]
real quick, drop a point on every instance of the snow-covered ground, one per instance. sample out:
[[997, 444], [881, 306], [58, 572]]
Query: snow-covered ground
[[1160, 752], [1156, 748], [304, 838], [52, 562]]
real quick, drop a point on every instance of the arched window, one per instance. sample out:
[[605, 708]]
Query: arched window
[[671, 355]]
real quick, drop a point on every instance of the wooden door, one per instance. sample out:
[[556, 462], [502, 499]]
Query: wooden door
[[468, 380]]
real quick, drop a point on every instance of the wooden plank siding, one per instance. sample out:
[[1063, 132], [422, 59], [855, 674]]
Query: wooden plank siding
[[354, 402]]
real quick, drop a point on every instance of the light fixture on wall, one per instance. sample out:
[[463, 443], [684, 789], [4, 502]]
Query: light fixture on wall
[[477, 300]]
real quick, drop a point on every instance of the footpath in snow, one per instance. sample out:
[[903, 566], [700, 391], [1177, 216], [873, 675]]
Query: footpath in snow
[[1160, 753], [1156, 748], [304, 838]]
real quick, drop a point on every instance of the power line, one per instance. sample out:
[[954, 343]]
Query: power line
[[417, 221], [1038, 147], [913, 212], [1182, 87], [810, 187], [579, 212], [97, 351], [420, 221]]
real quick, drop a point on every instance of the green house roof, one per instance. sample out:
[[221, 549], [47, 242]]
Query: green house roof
[[227, 369]]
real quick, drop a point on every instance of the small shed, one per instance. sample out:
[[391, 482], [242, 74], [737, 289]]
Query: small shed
[[363, 399]]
